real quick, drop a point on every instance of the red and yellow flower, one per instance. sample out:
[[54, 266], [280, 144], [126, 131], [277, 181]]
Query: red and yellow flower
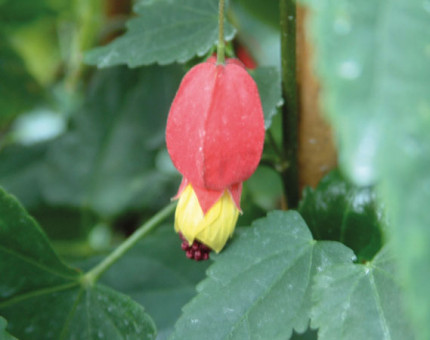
[[215, 136]]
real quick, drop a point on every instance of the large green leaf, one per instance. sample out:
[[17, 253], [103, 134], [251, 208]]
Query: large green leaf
[[106, 162], [157, 274], [339, 211], [372, 58], [260, 286], [268, 80], [360, 301], [164, 32], [42, 298]]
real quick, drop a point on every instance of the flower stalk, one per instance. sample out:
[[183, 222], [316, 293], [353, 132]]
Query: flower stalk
[[92, 276], [221, 42]]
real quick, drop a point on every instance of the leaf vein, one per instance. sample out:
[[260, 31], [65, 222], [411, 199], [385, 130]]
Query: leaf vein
[[36, 264]]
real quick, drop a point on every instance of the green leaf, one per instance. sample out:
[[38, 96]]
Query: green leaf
[[14, 14], [164, 32], [377, 97], [106, 162], [157, 274], [266, 11], [260, 37], [265, 188], [18, 89], [43, 298], [20, 172], [260, 286], [339, 211], [356, 302], [3, 334], [268, 80]]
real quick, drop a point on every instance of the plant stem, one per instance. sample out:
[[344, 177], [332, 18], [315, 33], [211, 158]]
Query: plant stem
[[221, 43], [91, 277], [273, 143], [290, 109]]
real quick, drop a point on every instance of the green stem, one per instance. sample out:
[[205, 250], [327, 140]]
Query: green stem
[[221, 43], [91, 277], [273, 143], [290, 110]]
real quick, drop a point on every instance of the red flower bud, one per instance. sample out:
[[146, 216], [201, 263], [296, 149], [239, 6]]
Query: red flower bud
[[245, 57], [215, 128], [215, 136]]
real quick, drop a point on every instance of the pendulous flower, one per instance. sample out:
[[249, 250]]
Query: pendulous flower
[[215, 136]]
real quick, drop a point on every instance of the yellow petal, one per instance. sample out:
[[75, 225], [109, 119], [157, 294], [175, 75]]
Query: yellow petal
[[212, 229]]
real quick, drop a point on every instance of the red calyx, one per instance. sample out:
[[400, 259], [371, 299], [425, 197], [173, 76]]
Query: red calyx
[[215, 128]]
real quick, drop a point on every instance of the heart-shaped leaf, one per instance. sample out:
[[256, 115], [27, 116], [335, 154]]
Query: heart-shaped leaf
[[42, 298], [260, 286]]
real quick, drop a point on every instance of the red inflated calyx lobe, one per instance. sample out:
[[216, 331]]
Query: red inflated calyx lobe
[[215, 128], [207, 198]]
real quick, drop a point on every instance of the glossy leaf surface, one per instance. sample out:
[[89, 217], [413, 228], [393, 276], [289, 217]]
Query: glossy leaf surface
[[339, 211]]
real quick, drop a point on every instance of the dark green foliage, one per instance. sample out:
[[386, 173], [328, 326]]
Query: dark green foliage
[[18, 90], [339, 211], [260, 286], [157, 274], [164, 32], [42, 298]]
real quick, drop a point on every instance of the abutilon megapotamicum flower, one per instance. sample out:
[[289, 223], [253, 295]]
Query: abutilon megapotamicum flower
[[215, 136]]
